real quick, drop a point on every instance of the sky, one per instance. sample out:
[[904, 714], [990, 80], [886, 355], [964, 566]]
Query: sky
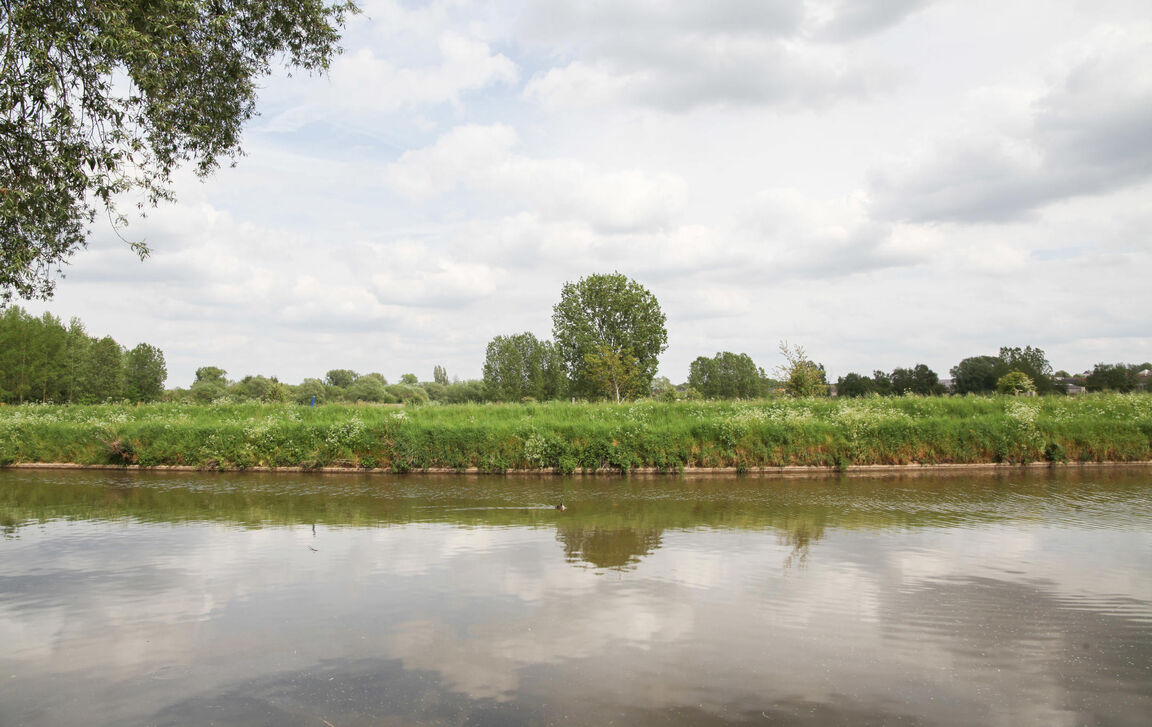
[[884, 183]]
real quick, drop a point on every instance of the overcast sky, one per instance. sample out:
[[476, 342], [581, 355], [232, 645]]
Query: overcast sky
[[885, 183]]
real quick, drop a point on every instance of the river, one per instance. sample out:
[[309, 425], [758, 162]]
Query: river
[[309, 599]]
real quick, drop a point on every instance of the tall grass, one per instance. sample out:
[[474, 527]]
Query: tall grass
[[564, 437]]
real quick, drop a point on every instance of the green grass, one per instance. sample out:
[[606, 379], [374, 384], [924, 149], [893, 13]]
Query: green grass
[[566, 437]]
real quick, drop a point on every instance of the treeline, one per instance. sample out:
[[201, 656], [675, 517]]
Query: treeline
[[42, 360], [338, 385], [1014, 371]]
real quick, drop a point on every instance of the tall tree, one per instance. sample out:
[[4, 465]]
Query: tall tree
[[613, 312], [917, 380], [854, 385], [77, 350], [144, 373], [520, 366], [48, 359], [102, 98], [105, 371], [978, 374], [1033, 363], [1112, 377], [341, 378], [726, 375]]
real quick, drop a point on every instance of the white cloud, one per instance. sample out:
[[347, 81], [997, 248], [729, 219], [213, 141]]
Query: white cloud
[[362, 83], [677, 56], [1087, 133], [482, 160]]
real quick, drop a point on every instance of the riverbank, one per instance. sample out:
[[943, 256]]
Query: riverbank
[[778, 436]]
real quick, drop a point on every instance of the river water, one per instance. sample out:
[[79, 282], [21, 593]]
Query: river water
[[248, 599]]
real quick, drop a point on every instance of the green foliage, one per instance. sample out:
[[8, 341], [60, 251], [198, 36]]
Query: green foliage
[[408, 393], [978, 374], [854, 385], [99, 99], [522, 366], [409, 380], [559, 436], [341, 378], [726, 375], [919, 380], [211, 375], [144, 373], [461, 392], [609, 311], [369, 389], [41, 360], [613, 373], [1112, 377], [105, 371], [1033, 363], [802, 377], [309, 388], [1015, 383], [440, 375]]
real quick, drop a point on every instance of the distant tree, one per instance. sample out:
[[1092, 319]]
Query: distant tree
[[409, 394], [1034, 364], [277, 392], [520, 366], [603, 314], [106, 371], [144, 373], [1112, 377], [253, 388], [440, 375], [460, 392], [662, 387], [802, 377], [368, 388], [410, 380], [341, 378], [917, 380], [76, 352], [435, 390], [726, 375], [882, 383], [854, 385], [978, 374], [46, 346], [613, 374], [309, 388], [1015, 383], [210, 374]]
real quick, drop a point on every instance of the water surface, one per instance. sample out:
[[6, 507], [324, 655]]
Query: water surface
[[371, 600]]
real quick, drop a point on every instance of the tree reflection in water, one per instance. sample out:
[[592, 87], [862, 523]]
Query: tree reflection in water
[[799, 533], [615, 548]]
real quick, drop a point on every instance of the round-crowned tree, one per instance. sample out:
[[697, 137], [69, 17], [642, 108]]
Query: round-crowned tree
[[610, 332]]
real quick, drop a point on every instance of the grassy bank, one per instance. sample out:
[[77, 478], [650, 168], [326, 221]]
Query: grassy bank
[[567, 437]]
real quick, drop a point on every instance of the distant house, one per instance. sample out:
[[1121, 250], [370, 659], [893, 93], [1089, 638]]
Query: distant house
[[1072, 384], [948, 384]]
